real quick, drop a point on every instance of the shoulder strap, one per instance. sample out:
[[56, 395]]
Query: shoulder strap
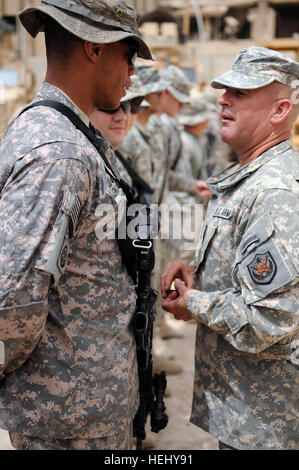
[[139, 182], [89, 134], [173, 166]]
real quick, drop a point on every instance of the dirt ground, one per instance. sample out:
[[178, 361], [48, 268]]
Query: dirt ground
[[179, 434]]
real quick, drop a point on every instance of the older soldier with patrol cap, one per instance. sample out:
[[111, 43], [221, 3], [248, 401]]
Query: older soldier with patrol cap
[[243, 287], [68, 378]]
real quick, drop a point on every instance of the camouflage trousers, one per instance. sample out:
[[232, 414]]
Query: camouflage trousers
[[121, 441]]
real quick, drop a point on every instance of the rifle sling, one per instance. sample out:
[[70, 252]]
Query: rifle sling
[[89, 134]]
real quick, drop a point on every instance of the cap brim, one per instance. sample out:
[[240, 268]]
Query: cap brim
[[233, 79], [154, 87], [130, 95], [32, 18], [194, 120], [180, 97]]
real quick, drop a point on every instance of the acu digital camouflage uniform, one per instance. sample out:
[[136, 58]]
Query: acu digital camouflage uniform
[[181, 194], [69, 369], [218, 154], [145, 144], [69, 350], [135, 91], [245, 295], [193, 114]]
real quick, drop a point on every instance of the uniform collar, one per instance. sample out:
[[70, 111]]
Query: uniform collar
[[51, 92], [225, 181]]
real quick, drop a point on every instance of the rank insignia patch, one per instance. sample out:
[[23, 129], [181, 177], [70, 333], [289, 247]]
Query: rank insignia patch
[[262, 268]]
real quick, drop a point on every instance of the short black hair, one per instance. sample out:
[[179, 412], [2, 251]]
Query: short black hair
[[59, 41]]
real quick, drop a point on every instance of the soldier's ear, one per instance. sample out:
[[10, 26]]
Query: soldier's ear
[[93, 50], [282, 109]]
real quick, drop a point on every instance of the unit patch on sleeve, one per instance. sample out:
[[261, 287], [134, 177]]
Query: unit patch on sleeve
[[262, 268]]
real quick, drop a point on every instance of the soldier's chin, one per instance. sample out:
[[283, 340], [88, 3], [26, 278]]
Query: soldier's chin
[[225, 135]]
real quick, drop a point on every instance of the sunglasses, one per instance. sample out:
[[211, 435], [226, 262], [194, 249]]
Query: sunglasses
[[136, 104], [125, 106]]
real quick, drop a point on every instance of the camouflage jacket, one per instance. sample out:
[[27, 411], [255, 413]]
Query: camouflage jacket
[[136, 144], [245, 300], [218, 153], [196, 155], [69, 368], [180, 177], [145, 145]]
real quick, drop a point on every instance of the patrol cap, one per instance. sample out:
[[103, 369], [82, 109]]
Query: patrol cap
[[256, 67], [177, 83], [151, 78], [211, 99], [97, 21], [195, 112]]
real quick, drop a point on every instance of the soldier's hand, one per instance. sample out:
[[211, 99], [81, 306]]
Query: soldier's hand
[[176, 302], [202, 189], [176, 270]]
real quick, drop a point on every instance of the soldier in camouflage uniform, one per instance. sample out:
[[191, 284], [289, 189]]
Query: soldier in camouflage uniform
[[179, 243], [173, 98], [194, 118], [243, 287], [143, 143], [114, 125], [68, 372], [219, 154]]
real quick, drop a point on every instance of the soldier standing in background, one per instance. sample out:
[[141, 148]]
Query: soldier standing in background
[[219, 154], [146, 143], [114, 126], [146, 147], [182, 187], [243, 288], [69, 378], [195, 118]]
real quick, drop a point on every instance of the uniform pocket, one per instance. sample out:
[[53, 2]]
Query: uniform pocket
[[207, 234]]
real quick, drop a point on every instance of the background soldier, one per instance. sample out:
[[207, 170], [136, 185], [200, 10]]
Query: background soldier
[[195, 118], [114, 126], [219, 154], [145, 147], [182, 186], [70, 375], [243, 290]]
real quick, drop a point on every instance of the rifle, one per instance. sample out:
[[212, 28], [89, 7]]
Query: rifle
[[151, 388]]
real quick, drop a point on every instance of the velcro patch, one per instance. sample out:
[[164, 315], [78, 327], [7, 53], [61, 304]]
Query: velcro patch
[[262, 268], [223, 212], [249, 241]]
